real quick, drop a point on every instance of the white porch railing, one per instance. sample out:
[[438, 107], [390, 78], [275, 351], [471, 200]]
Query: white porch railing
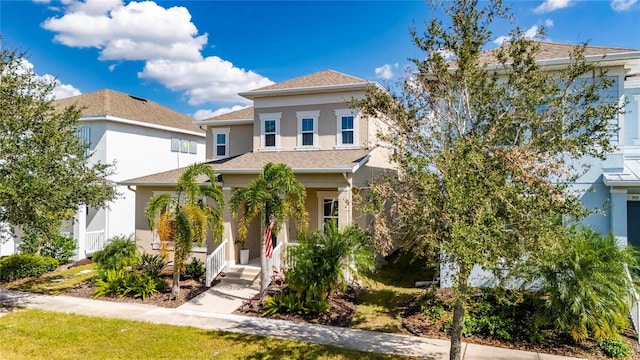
[[635, 306], [216, 262], [275, 262], [291, 260], [94, 241]]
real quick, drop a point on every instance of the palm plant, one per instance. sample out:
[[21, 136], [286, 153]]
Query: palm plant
[[186, 219], [275, 193]]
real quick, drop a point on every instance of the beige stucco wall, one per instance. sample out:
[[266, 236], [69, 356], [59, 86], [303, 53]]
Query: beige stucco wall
[[240, 139], [327, 125]]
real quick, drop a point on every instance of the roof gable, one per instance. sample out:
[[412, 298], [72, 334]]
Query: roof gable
[[242, 114], [322, 81], [108, 102]]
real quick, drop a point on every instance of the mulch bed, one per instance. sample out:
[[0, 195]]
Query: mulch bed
[[189, 289], [343, 308], [344, 305]]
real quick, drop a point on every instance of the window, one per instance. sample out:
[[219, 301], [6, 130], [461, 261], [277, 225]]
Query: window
[[221, 143], [308, 128], [327, 208], [347, 135], [184, 146], [270, 131], [84, 133], [329, 211]]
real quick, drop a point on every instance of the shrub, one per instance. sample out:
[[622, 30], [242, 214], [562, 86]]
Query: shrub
[[291, 303], [121, 252], [61, 248], [584, 287], [139, 286], [321, 259], [110, 282], [615, 348], [123, 283], [195, 269], [152, 264], [20, 266]]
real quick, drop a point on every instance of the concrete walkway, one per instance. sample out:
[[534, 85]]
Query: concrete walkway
[[322, 334]]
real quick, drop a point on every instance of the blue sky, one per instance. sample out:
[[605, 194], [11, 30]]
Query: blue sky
[[194, 56]]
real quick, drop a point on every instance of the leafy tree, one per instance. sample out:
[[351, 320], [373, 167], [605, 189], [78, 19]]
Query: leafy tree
[[276, 192], [44, 171], [186, 219], [485, 153]]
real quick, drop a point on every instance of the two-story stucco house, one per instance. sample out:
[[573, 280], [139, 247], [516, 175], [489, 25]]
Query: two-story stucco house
[[611, 185], [304, 123], [140, 137]]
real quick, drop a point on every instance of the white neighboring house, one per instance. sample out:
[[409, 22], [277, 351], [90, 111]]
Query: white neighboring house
[[140, 137]]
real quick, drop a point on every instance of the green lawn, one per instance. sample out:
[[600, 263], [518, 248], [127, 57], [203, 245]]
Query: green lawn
[[393, 285], [34, 334], [55, 282]]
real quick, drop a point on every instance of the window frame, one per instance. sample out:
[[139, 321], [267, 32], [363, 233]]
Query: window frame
[[263, 142], [216, 132], [340, 114], [303, 115], [322, 197]]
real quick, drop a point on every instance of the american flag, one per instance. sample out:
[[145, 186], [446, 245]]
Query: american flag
[[268, 243]]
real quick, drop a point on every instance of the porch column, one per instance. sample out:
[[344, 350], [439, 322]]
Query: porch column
[[618, 215], [227, 233], [80, 231], [345, 203]]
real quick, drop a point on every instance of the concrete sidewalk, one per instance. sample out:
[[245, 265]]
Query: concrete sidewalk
[[322, 334]]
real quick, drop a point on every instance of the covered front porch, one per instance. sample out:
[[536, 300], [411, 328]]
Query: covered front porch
[[89, 228]]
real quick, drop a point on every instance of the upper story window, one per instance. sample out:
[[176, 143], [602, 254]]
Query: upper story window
[[221, 143], [270, 131], [84, 133], [308, 128], [184, 146], [347, 135]]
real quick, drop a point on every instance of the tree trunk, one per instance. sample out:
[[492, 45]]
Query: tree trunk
[[175, 288], [455, 353], [264, 275]]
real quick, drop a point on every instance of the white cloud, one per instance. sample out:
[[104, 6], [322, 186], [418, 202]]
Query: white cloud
[[530, 33], [548, 23], [210, 80], [207, 113], [139, 31], [60, 90], [136, 31], [112, 67], [385, 71], [622, 5], [552, 5]]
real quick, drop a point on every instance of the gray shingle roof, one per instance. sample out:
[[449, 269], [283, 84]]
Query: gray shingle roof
[[318, 79], [551, 50], [113, 103], [242, 114], [321, 161]]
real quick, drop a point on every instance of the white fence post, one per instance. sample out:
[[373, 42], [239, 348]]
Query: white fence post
[[216, 262]]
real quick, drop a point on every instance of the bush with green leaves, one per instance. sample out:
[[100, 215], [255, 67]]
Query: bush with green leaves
[[615, 348], [321, 259], [61, 248], [121, 252], [288, 302], [124, 283], [152, 264], [21, 266], [195, 269], [584, 287]]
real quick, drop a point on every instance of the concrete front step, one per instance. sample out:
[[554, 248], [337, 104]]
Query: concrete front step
[[246, 275]]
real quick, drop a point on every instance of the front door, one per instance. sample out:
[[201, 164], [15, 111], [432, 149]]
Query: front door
[[633, 223]]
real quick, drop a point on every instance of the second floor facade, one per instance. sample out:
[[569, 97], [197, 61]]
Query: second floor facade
[[308, 113]]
